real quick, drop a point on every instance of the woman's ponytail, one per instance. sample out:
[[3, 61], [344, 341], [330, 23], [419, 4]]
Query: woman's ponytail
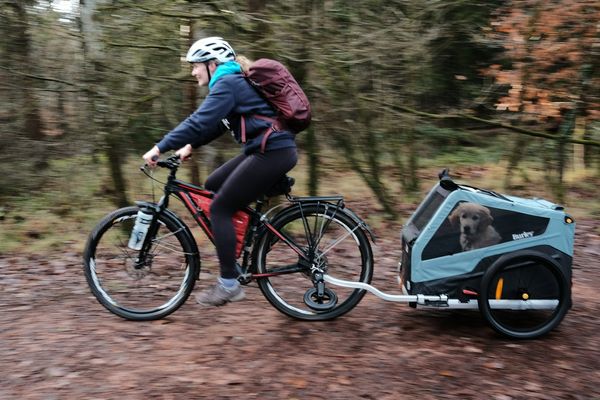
[[244, 62]]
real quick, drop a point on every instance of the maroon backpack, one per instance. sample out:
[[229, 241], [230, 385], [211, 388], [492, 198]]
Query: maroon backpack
[[279, 88]]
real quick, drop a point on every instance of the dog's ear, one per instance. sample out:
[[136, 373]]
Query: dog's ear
[[455, 216], [486, 217]]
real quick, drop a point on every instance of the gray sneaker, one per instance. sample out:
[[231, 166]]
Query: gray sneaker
[[219, 295]]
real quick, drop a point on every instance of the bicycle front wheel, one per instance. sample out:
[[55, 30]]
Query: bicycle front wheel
[[137, 289], [336, 243], [524, 297]]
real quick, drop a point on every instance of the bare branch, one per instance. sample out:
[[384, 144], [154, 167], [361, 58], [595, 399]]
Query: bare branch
[[44, 78], [394, 108], [143, 46], [12, 87]]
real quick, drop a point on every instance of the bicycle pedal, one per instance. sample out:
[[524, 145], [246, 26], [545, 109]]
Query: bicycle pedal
[[244, 279]]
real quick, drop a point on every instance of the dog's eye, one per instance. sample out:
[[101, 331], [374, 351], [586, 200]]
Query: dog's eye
[[475, 217]]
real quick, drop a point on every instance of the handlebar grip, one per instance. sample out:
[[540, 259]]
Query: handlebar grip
[[171, 162]]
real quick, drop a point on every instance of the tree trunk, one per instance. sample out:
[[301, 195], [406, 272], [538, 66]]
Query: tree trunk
[[585, 88], [413, 161], [514, 157], [521, 143], [63, 123], [190, 94], [31, 110], [369, 177], [260, 31], [374, 181], [566, 130], [115, 162], [300, 70], [93, 53], [395, 154], [312, 150]]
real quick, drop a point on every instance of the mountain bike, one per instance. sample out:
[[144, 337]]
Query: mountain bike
[[287, 250]]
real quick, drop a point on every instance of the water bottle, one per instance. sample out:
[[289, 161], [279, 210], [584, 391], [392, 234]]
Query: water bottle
[[140, 229]]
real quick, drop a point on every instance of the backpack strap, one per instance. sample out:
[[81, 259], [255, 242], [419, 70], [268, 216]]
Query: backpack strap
[[243, 128], [267, 133], [263, 142], [262, 117]]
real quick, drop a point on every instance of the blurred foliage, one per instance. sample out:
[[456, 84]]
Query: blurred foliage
[[105, 79]]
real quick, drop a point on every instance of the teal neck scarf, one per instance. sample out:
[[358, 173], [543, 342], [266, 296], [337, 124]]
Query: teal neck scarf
[[228, 68]]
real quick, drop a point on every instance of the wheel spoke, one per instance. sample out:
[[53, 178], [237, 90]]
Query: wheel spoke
[[343, 237]]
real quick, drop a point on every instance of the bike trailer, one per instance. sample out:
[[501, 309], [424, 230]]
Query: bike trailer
[[468, 244]]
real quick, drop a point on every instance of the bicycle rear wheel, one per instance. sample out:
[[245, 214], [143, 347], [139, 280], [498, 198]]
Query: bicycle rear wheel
[[141, 289], [524, 297], [338, 245]]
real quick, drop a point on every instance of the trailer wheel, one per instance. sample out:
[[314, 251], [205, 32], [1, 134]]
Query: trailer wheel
[[524, 295]]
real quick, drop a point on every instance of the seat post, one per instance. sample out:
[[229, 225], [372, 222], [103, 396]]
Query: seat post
[[260, 202]]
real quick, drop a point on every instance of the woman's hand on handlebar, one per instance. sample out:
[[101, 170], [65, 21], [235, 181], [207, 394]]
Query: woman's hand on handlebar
[[151, 157], [185, 152]]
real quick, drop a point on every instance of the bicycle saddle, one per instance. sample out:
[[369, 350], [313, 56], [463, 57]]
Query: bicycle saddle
[[282, 186]]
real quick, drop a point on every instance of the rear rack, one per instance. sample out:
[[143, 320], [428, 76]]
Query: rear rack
[[309, 199]]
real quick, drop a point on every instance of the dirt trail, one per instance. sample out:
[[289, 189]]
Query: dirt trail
[[57, 342]]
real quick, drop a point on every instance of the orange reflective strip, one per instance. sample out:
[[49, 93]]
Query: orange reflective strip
[[499, 287]]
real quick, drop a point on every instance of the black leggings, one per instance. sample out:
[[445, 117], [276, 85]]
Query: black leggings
[[237, 183]]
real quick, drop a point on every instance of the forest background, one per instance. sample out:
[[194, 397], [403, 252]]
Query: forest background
[[504, 93]]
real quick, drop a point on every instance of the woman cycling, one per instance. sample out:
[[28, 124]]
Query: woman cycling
[[244, 178]]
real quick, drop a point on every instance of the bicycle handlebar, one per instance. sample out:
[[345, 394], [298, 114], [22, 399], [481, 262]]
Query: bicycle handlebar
[[173, 162]]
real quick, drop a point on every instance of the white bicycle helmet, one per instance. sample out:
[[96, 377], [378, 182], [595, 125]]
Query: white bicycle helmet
[[210, 48]]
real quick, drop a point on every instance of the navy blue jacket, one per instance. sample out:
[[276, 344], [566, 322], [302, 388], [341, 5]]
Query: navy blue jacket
[[230, 97]]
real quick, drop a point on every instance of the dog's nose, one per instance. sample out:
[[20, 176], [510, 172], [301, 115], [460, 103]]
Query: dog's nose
[[467, 229]]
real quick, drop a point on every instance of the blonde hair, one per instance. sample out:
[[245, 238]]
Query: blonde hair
[[244, 62]]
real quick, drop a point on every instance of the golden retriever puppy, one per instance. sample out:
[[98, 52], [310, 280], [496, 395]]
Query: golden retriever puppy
[[475, 222]]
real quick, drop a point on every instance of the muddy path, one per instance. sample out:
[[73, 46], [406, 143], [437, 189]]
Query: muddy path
[[57, 342]]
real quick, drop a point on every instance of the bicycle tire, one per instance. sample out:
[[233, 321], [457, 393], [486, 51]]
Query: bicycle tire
[[524, 296], [148, 292], [350, 259]]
